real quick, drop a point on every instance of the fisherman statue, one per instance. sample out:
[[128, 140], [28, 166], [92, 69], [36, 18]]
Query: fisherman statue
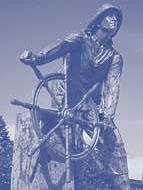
[[93, 60]]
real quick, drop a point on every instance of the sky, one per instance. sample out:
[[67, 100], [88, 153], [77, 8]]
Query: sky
[[36, 24], [135, 168]]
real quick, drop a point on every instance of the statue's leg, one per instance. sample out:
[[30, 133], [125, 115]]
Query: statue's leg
[[117, 161], [121, 182]]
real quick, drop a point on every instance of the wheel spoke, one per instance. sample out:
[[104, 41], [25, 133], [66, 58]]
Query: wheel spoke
[[88, 94], [45, 138], [49, 112], [82, 121]]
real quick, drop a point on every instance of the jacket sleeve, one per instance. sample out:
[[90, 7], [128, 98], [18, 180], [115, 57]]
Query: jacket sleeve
[[110, 95], [70, 43]]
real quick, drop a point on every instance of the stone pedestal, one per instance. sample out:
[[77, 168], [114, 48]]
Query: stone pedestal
[[25, 139]]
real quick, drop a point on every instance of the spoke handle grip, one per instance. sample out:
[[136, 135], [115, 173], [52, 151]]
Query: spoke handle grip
[[22, 104]]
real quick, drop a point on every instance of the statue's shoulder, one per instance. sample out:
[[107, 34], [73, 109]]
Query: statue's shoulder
[[75, 37]]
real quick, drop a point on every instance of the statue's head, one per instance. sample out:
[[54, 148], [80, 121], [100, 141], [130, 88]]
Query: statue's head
[[108, 18]]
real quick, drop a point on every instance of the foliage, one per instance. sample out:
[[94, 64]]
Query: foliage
[[6, 146]]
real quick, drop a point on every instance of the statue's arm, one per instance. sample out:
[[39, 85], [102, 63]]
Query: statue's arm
[[70, 43], [50, 54], [111, 88]]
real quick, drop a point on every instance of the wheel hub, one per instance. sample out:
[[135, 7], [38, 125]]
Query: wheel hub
[[68, 115]]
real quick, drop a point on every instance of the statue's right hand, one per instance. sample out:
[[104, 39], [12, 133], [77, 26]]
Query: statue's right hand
[[27, 57]]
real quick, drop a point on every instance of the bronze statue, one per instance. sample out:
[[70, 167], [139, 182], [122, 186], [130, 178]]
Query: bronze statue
[[92, 60]]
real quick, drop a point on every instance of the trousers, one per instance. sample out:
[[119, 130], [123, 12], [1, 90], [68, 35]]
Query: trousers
[[106, 167]]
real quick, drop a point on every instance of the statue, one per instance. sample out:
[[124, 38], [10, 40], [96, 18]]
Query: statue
[[92, 61]]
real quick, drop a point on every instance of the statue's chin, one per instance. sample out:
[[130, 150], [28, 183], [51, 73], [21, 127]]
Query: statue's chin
[[112, 30]]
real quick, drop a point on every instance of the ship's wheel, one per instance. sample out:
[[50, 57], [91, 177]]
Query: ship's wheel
[[82, 119]]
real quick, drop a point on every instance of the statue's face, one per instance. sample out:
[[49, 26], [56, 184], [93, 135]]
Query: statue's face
[[110, 23]]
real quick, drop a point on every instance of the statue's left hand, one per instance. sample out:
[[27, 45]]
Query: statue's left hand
[[108, 123]]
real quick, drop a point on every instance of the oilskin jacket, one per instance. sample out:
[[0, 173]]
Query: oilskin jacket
[[89, 63]]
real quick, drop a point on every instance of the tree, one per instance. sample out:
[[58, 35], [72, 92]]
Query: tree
[[6, 146]]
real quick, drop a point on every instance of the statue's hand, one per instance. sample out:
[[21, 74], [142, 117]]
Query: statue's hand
[[27, 57], [108, 124]]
